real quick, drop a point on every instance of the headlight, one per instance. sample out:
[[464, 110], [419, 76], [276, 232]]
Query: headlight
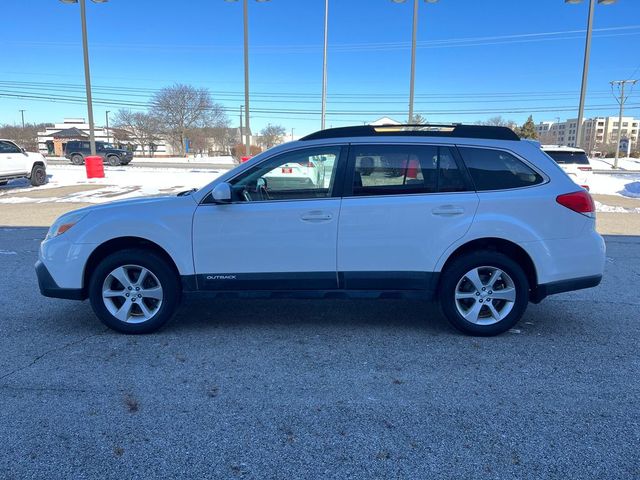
[[64, 223]]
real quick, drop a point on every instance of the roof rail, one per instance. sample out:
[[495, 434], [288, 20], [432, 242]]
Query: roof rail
[[425, 130]]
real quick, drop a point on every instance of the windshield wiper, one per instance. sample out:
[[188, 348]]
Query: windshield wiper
[[187, 192]]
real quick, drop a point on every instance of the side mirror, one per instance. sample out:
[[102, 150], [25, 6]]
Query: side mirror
[[221, 193], [23, 150]]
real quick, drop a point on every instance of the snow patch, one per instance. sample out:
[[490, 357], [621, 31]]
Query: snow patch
[[601, 207], [119, 183], [627, 185]]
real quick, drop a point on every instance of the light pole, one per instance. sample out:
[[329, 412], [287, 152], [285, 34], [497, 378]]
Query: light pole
[[106, 117], [22, 113], [87, 72], [585, 67], [245, 14], [414, 35], [324, 66]]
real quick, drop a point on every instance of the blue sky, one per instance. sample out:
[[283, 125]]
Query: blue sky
[[476, 59]]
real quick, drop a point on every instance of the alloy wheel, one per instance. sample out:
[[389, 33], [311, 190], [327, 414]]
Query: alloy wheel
[[132, 294], [485, 295]]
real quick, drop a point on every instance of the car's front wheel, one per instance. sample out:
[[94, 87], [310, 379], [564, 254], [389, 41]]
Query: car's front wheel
[[114, 160], [484, 293], [38, 176], [134, 291]]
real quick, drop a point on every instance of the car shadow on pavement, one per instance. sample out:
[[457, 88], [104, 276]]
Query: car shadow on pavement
[[200, 314]]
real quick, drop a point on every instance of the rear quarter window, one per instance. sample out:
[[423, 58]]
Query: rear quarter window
[[497, 170]]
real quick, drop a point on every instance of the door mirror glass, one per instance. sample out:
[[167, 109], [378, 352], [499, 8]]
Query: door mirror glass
[[221, 193]]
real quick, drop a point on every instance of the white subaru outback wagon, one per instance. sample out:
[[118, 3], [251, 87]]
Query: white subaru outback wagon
[[468, 215]]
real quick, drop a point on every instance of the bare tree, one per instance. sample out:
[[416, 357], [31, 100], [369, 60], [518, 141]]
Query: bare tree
[[224, 138], [143, 128], [499, 121], [183, 107], [272, 135], [26, 137], [419, 119]]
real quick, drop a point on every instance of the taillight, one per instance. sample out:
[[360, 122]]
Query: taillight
[[580, 202], [585, 169]]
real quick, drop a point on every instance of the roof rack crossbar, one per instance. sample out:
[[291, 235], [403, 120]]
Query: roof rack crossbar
[[422, 130]]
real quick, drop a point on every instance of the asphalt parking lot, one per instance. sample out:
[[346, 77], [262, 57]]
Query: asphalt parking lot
[[312, 389]]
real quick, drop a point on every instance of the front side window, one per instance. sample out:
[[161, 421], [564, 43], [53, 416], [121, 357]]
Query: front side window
[[8, 147], [298, 175], [404, 169], [497, 169]]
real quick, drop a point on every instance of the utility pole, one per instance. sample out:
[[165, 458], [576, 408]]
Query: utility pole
[[22, 113], [620, 84], [106, 117], [323, 115], [292, 129], [241, 106], [247, 150]]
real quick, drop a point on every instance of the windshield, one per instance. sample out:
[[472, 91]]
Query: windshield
[[562, 157]]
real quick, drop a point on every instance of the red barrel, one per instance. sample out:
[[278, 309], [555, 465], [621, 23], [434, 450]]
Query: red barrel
[[94, 166], [244, 159]]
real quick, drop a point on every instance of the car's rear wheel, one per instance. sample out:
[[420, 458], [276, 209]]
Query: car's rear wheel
[[38, 175], [77, 159], [484, 293], [134, 291], [114, 160]]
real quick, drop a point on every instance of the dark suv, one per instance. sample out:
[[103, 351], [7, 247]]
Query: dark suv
[[76, 151]]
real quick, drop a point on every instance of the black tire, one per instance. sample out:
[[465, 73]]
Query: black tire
[[77, 159], [38, 176], [163, 272], [454, 275], [114, 160]]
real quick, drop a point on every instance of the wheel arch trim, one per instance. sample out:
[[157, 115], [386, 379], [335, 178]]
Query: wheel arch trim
[[120, 243]]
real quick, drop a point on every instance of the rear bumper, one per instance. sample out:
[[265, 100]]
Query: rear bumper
[[544, 290], [49, 288]]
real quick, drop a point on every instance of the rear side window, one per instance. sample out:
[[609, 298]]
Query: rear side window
[[564, 158], [497, 170], [404, 169]]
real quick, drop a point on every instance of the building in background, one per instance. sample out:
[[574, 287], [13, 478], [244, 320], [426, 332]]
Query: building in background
[[600, 134], [212, 141], [53, 140]]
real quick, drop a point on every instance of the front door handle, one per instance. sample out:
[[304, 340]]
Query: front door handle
[[447, 210], [316, 216]]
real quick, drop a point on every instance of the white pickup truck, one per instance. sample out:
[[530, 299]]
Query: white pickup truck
[[15, 162]]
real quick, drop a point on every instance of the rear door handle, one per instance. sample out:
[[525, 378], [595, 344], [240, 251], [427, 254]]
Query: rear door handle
[[316, 216], [447, 210]]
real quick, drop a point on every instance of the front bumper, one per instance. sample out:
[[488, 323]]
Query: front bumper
[[49, 288]]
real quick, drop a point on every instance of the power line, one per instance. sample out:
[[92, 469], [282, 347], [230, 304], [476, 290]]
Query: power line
[[81, 100]]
